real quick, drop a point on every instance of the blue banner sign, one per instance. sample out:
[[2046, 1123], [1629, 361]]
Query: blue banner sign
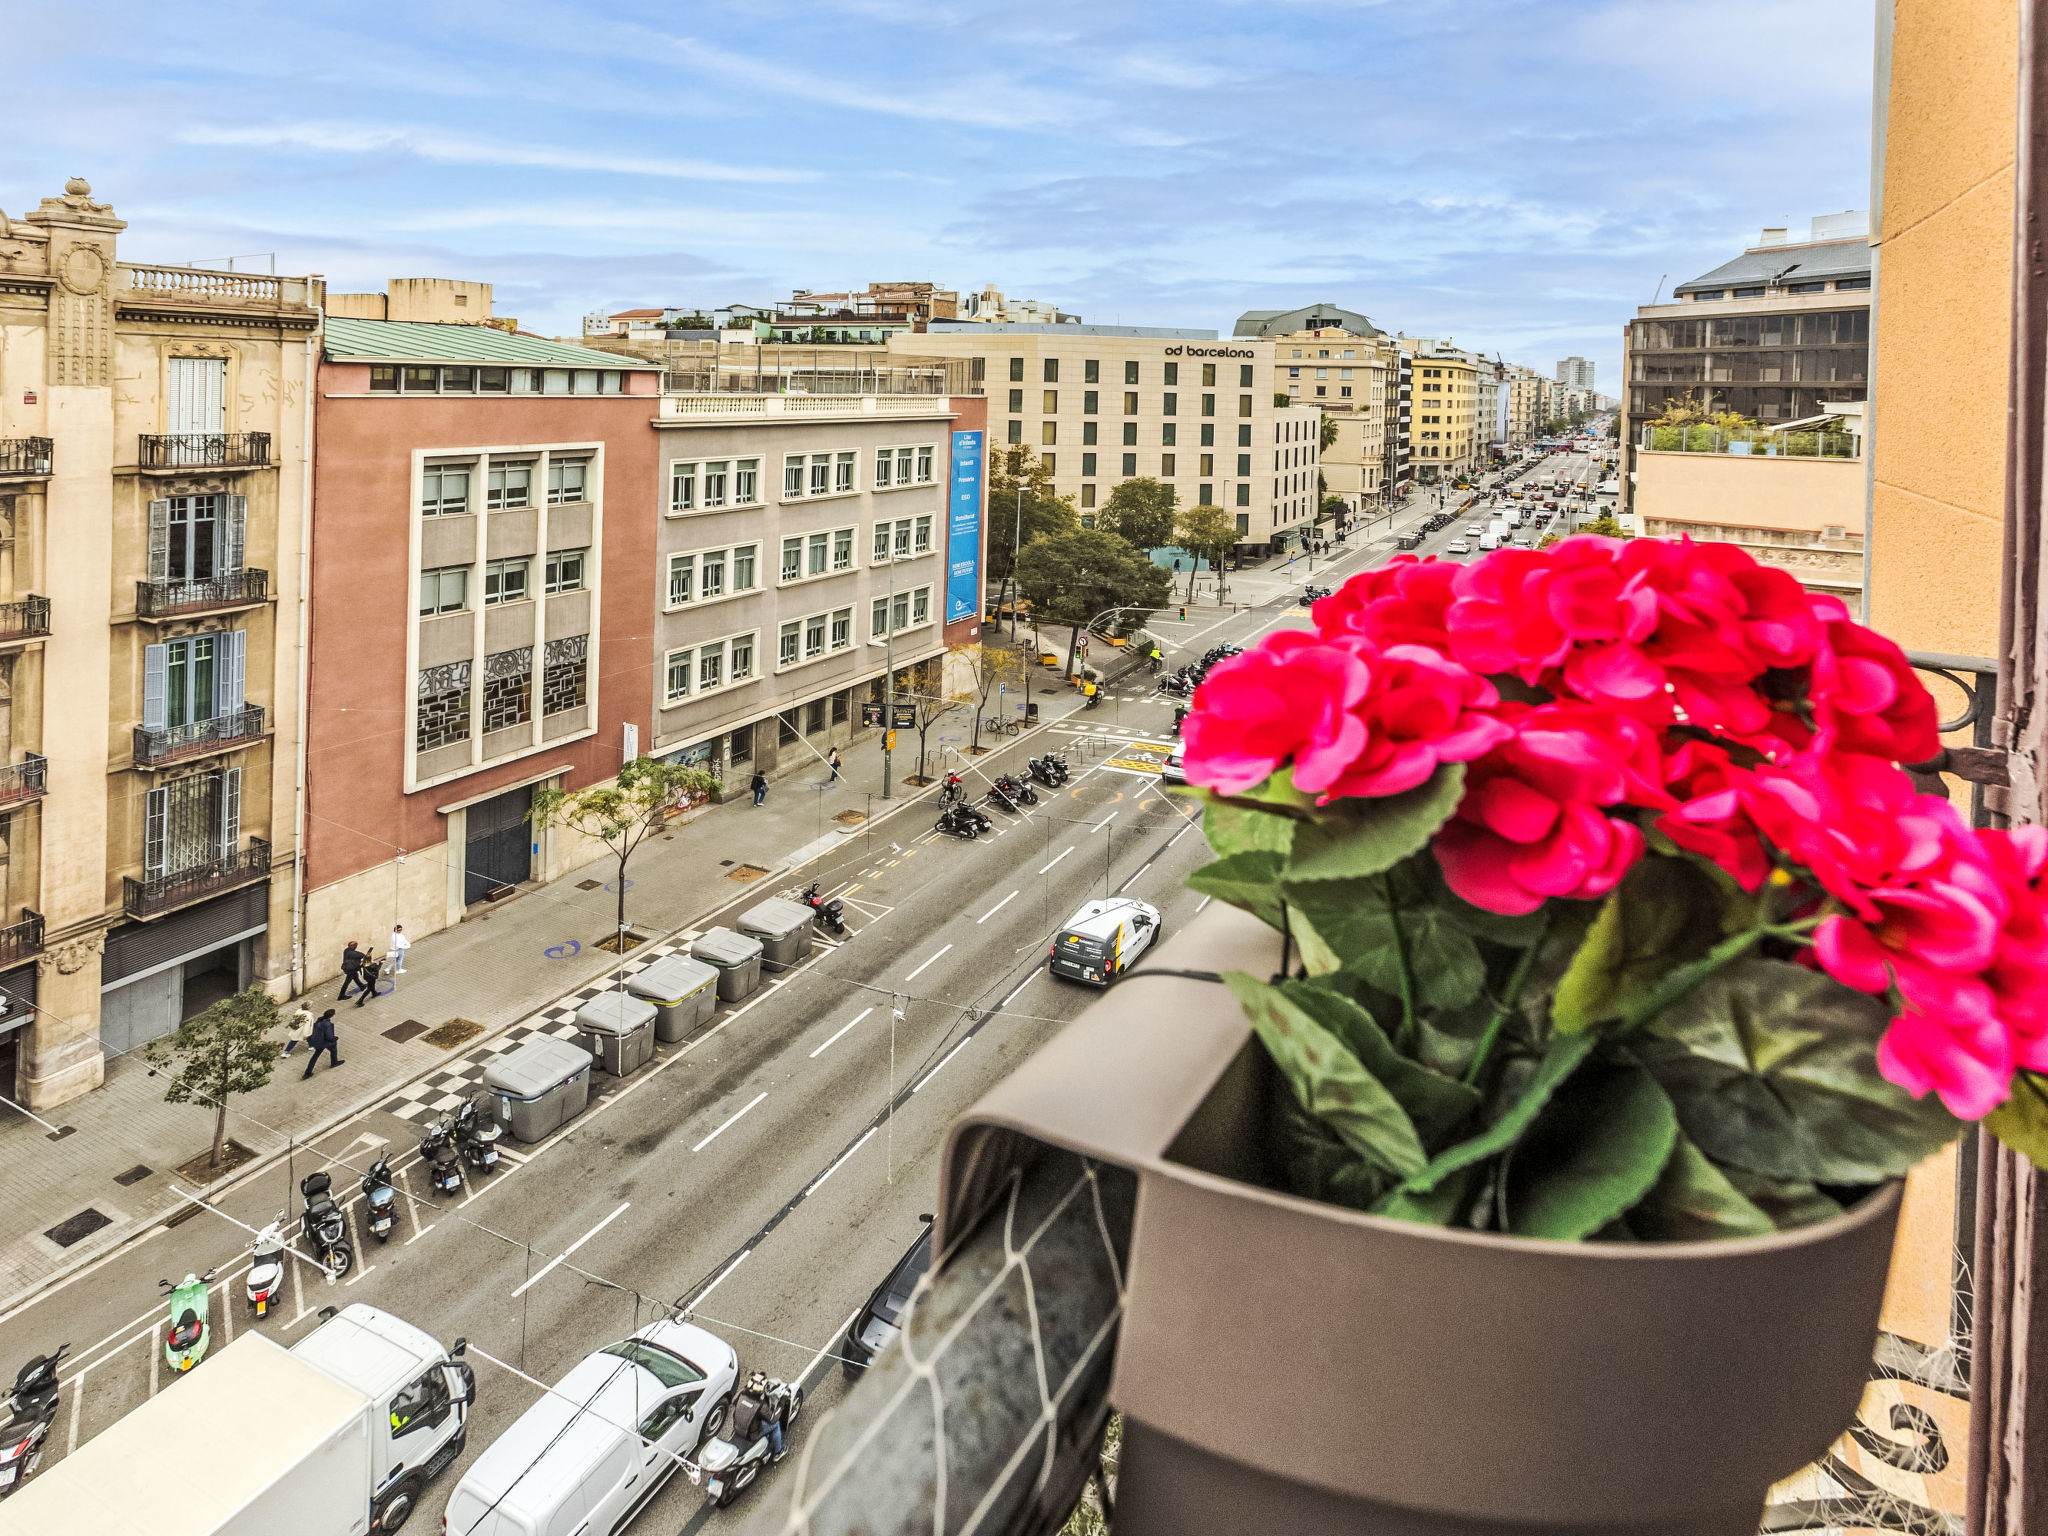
[[963, 531]]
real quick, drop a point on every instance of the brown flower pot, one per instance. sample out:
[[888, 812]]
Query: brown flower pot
[[1291, 1366]]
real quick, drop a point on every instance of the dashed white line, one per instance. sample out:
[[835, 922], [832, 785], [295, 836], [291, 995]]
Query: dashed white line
[[714, 1285], [1057, 858], [838, 1333], [840, 1031], [821, 1178], [542, 1273], [1104, 822], [935, 1071], [922, 968], [727, 1126], [1016, 989], [992, 911]]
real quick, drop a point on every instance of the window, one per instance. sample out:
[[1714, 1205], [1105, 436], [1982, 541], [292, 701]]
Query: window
[[1244, 437], [444, 489], [792, 559], [1294, 373], [787, 642], [899, 611], [565, 668], [679, 674], [1166, 465], [682, 487], [1344, 390], [508, 688], [443, 699], [1173, 373], [880, 552], [682, 580], [821, 554], [384, 376], [878, 619], [740, 660], [922, 535], [1091, 370], [1244, 495], [1089, 400], [785, 728], [1244, 405], [1342, 373], [902, 537], [814, 636], [1244, 374], [1052, 401], [507, 485], [1016, 399], [1130, 434], [1015, 433], [1131, 404], [422, 380], [1842, 285], [1087, 463], [1168, 435], [1749, 293], [842, 470], [1051, 461], [924, 465], [1048, 432], [1088, 433], [821, 474], [1206, 496], [746, 482], [1322, 373], [1244, 464], [842, 629], [1016, 368], [1169, 405], [566, 481], [1208, 405], [505, 582], [885, 459], [743, 567], [792, 476], [445, 590], [1130, 373], [839, 699], [1087, 495], [814, 715], [711, 574], [493, 381], [1130, 464], [921, 606], [903, 458], [842, 549], [714, 484], [1208, 375], [1052, 370], [564, 571]]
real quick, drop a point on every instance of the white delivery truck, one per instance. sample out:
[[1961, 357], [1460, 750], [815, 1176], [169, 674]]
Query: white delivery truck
[[1495, 535], [337, 1436]]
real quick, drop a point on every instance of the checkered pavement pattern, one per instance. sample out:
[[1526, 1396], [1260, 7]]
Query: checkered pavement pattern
[[462, 1079]]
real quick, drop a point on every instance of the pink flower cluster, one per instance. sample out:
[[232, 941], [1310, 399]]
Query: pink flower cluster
[[1683, 686]]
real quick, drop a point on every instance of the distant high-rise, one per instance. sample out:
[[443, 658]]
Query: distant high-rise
[[1576, 372]]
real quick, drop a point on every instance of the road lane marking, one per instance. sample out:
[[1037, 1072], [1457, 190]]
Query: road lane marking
[[992, 911], [352, 1279], [1018, 988], [849, 890], [77, 1402], [935, 1071], [1056, 860], [698, 1300], [841, 1030], [541, 1274], [926, 966], [727, 1126], [1202, 903], [156, 1356], [839, 1333], [821, 1178], [1104, 822]]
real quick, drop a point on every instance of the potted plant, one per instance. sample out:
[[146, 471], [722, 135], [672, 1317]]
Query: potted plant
[[1533, 1160]]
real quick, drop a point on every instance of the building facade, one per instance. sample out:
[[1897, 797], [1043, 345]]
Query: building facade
[[1346, 376], [1575, 371], [153, 482], [1444, 436]]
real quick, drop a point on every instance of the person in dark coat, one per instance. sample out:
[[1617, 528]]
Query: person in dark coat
[[324, 1038], [760, 786], [351, 970], [372, 969]]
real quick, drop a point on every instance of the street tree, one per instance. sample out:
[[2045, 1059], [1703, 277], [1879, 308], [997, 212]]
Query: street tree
[[930, 709], [1140, 512], [1329, 437], [988, 666], [1043, 511], [624, 813], [1076, 577], [224, 1050], [1206, 530]]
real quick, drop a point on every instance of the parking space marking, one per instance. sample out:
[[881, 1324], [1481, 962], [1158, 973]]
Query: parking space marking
[[698, 1301], [821, 1178], [838, 1333], [728, 1124], [922, 968]]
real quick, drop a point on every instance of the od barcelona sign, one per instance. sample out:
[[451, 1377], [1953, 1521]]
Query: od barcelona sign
[[963, 530]]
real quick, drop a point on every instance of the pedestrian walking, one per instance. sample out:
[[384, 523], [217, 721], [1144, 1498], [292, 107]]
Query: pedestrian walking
[[834, 760], [324, 1038], [396, 949], [372, 968], [351, 970], [760, 786], [296, 1025]]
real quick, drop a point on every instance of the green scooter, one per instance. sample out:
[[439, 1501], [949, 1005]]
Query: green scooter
[[186, 1336]]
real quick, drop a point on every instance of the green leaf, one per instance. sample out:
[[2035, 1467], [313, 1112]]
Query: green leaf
[[1354, 838], [1665, 912], [1436, 1105], [1244, 829], [1319, 1166], [2021, 1122], [1564, 1056], [1439, 1208], [1352, 921], [1773, 1068], [1788, 1202], [1248, 880], [1594, 1152], [1277, 790], [1328, 1081], [1694, 1201]]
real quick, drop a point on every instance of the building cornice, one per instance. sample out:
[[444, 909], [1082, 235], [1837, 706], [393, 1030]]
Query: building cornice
[[304, 322]]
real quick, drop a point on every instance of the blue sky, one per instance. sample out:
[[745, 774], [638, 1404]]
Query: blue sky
[[1515, 174]]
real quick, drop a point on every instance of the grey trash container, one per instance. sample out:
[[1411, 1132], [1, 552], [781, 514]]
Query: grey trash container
[[784, 929], [538, 1087], [618, 1031], [736, 957], [684, 993]]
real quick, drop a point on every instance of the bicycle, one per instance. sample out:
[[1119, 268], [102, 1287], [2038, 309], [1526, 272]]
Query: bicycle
[[996, 725]]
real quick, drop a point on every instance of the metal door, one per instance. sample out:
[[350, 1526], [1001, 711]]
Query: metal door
[[500, 844]]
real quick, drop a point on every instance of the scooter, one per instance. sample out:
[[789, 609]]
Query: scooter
[[380, 1201], [31, 1409], [266, 1267], [959, 821], [476, 1137], [1058, 760], [1004, 793], [729, 1468], [324, 1225], [444, 1163], [830, 913], [187, 1334], [1093, 699]]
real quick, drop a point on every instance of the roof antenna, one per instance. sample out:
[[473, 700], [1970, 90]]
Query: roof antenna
[[1660, 288]]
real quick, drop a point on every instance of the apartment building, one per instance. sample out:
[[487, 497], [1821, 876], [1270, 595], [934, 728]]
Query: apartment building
[[1444, 437], [1488, 437], [483, 552], [152, 493], [1102, 403], [449, 300], [1575, 371], [1349, 377], [804, 542]]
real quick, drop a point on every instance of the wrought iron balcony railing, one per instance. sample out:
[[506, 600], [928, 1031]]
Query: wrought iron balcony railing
[[170, 743], [166, 599], [203, 450], [25, 455], [26, 619], [23, 780], [155, 895], [23, 940]]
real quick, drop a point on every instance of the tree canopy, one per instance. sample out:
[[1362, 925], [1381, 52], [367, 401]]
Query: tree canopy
[[625, 812], [1140, 512], [217, 1054], [1072, 578], [1045, 513]]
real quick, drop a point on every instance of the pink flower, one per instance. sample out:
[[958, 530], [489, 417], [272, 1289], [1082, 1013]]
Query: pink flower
[[1400, 603], [1865, 696], [1290, 698], [1712, 819], [1964, 1056], [1422, 710]]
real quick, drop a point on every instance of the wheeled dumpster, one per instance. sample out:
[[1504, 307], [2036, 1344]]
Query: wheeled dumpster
[[538, 1087], [784, 929], [618, 1031], [736, 958], [684, 993]]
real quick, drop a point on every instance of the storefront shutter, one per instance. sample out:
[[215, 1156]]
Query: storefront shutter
[[199, 389]]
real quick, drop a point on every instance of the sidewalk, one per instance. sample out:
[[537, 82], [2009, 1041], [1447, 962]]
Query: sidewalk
[[109, 1174]]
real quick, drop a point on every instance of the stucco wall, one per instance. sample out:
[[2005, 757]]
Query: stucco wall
[[1715, 489]]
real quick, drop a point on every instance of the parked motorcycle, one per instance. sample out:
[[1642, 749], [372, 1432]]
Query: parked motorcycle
[[1059, 763], [476, 1137], [1004, 792], [832, 914], [186, 1334], [266, 1267], [443, 1162], [1042, 770], [380, 1201], [325, 1226], [729, 1466], [31, 1409], [960, 821]]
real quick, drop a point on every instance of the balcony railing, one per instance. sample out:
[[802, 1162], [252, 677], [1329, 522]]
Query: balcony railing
[[1760, 445], [156, 895], [203, 450], [25, 455], [170, 743], [23, 780], [237, 589], [23, 940], [26, 619]]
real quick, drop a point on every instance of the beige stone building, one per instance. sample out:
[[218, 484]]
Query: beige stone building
[[154, 496], [441, 300], [1526, 399], [1445, 433], [1347, 377]]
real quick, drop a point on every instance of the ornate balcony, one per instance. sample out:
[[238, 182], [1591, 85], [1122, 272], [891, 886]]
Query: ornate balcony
[[25, 455], [23, 940], [28, 619], [23, 780], [174, 743], [154, 896], [175, 599], [203, 450]]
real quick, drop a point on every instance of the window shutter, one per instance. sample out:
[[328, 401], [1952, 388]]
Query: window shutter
[[154, 804], [155, 663], [230, 649], [232, 535], [160, 539], [230, 811]]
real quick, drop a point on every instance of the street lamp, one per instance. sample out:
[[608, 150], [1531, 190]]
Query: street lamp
[[888, 644]]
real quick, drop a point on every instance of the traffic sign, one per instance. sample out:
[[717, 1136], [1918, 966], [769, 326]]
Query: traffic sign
[[906, 717], [889, 742]]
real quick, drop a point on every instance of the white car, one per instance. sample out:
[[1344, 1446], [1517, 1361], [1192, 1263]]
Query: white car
[[1457, 547], [1474, 530], [1103, 940], [1176, 769]]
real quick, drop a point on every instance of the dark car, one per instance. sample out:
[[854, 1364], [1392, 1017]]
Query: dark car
[[879, 1321]]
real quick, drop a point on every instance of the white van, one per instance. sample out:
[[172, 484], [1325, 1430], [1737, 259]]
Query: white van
[[1103, 940], [579, 1461]]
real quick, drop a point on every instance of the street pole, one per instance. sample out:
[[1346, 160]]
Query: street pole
[[889, 687], [1016, 547]]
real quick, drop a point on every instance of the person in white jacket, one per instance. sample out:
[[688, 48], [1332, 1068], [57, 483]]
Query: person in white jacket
[[296, 1024], [398, 946]]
